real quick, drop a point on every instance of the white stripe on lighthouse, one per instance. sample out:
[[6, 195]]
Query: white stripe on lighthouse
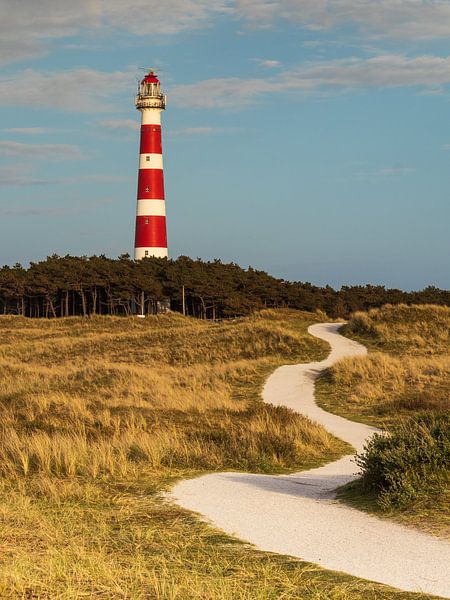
[[139, 253], [150, 161], [151, 208], [151, 116]]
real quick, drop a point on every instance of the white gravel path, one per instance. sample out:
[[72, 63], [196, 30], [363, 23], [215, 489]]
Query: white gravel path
[[297, 514]]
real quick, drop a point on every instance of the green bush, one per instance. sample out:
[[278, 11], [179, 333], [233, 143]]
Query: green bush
[[410, 463]]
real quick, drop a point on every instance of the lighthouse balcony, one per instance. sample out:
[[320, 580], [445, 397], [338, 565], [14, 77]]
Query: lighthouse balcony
[[151, 101]]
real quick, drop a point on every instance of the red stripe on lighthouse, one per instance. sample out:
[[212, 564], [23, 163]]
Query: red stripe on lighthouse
[[150, 184], [150, 232], [151, 139]]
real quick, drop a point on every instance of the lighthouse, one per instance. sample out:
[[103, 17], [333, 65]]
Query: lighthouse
[[151, 234]]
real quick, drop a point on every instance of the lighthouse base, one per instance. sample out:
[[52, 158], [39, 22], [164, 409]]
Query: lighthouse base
[[140, 253]]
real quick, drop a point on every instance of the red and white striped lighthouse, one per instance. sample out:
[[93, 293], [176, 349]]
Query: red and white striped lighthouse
[[151, 235]]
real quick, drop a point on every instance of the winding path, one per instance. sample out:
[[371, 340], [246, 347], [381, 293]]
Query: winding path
[[298, 515]]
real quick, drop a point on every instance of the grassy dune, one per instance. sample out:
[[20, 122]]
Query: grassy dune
[[114, 397], [405, 375], [99, 415], [406, 371]]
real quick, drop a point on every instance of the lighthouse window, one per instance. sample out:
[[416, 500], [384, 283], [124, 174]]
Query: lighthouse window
[[147, 189], [147, 158], [146, 252], [146, 221]]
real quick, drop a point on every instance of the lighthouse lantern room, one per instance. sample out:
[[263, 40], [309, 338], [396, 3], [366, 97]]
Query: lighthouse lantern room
[[151, 236]]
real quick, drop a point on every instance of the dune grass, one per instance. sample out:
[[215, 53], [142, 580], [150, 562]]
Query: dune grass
[[110, 397], [406, 375], [406, 371], [98, 416]]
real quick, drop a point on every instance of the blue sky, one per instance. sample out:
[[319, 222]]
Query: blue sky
[[309, 138]]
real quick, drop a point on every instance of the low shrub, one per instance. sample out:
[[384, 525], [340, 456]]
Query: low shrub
[[362, 323], [410, 463]]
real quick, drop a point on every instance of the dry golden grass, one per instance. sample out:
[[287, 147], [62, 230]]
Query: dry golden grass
[[401, 329], [112, 396], [407, 369], [98, 415], [381, 388]]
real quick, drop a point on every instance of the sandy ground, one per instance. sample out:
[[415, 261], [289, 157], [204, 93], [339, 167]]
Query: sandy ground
[[298, 515]]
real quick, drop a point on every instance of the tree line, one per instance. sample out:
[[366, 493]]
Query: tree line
[[97, 285]]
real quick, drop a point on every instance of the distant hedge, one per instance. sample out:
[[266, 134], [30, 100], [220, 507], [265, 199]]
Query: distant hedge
[[69, 285]]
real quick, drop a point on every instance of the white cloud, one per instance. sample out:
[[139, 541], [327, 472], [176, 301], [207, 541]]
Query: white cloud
[[35, 211], [84, 90], [205, 130], [40, 151], [98, 178], [312, 44], [268, 63], [388, 70], [119, 124], [28, 130], [20, 175], [230, 92], [384, 71], [375, 175], [413, 19], [144, 17], [27, 26], [57, 211], [394, 171]]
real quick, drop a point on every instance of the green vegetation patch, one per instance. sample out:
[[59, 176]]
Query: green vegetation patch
[[406, 473], [409, 464]]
